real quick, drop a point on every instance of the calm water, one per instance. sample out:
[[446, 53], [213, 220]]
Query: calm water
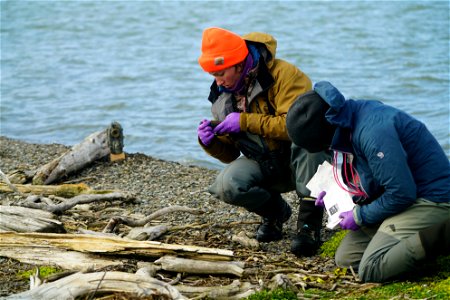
[[69, 68]]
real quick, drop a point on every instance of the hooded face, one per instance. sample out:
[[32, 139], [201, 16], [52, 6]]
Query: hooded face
[[306, 123]]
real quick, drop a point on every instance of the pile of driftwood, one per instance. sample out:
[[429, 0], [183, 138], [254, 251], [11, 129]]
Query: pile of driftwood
[[31, 232]]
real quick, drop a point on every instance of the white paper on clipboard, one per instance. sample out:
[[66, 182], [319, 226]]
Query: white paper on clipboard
[[336, 199]]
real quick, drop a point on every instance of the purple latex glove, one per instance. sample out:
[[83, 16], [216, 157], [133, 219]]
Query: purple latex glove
[[319, 200], [229, 125], [348, 221], [205, 132]]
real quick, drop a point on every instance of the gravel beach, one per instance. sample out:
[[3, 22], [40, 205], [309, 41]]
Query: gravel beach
[[157, 184]]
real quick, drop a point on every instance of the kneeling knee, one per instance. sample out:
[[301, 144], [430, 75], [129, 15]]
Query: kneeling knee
[[368, 272], [226, 192]]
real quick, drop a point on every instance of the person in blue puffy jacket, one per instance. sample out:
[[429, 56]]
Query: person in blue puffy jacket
[[396, 171]]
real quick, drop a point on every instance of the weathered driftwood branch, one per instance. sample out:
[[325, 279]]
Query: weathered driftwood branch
[[114, 222], [148, 268], [355, 276], [183, 265], [304, 272], [9, 184], [22, 219], [33, 202], [79, 285], [106, 245], [92, 148], [147, 233], [63, 190]]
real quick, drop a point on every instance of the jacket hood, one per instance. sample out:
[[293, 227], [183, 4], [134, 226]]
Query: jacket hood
[[340, 111], [266, 40]]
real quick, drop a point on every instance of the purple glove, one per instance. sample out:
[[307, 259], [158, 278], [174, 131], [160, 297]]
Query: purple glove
[[205, 132], [229, 125], [319, 200], [348, 221]]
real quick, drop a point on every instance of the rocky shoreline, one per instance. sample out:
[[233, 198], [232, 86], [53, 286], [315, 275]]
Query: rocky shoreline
[[157, 184]]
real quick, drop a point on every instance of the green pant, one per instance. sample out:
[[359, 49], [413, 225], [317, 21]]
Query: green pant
[[242, 182], [383, 252]]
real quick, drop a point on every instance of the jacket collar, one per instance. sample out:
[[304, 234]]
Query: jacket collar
[[342, 140]]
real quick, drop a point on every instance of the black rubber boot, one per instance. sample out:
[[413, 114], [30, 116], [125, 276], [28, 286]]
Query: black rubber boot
[[309, 224], [274, 213], [436, 239]]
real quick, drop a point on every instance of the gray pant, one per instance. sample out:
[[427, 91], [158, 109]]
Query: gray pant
[[383, 252], [243, 184]]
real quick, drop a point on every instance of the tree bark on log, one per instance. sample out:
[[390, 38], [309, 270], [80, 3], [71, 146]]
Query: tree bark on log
[[22, 219], [106, 245], [78, 285], [92, 148]]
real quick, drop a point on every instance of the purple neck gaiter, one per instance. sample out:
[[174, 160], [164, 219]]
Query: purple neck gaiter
[[241, 82]]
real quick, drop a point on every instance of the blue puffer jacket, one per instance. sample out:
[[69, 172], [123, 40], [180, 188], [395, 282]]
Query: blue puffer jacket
[[397, 158]]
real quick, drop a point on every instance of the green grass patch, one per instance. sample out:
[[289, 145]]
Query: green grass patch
[[439, 289], [277, 294], [328, 249], [44, 271]]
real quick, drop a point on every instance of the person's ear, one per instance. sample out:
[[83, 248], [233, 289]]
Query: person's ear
[[240, 67]]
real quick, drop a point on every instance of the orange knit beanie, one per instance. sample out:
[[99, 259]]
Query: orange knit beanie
[[221, 49]]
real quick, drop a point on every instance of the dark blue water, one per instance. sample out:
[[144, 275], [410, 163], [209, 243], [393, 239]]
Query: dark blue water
[[69, 68]]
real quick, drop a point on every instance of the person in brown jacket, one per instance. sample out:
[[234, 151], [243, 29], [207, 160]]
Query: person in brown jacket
[[250, 96]]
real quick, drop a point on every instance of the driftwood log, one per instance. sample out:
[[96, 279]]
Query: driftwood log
[[92, 148], [63, 190], [79, 284], [183, 265], [96, 146], [22, 219], [64, 259], [27, 246]]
